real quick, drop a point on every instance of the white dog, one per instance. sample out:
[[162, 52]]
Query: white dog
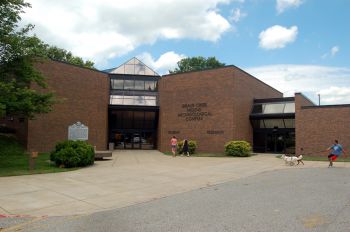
[[292, 160]]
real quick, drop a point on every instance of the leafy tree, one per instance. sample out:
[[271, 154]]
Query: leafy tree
[[60, 54], [18, 53], [196, 63]]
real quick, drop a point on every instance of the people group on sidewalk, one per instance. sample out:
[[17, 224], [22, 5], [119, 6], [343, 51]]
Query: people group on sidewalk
[[184, 148]]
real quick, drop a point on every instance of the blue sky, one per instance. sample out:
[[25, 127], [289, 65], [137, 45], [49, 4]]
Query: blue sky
[[293, 45]]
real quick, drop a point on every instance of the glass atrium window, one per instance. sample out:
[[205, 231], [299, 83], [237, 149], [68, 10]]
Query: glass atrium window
[[289, 108], [129, 84], [133, 100], [150, 85], [117, 84], [134, 67], [273, 108], [133, 85], [139, 85]]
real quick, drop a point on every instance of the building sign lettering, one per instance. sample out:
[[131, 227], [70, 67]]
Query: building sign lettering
[[194, 112], [215, 132], [78, 131], [173, 132]]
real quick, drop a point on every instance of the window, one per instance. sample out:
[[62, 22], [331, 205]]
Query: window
[[116, 100], [150, 85], [139, 85], [272, 123], [273, 108], [117, 84], [258, 124], [129, 84], [133, 85], [289, 108], [138, 119], [290, 123], [133, 100], [150, 100]]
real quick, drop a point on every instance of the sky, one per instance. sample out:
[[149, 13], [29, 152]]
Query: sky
[[292, 45]]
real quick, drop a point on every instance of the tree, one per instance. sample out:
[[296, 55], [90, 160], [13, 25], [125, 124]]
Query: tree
[[60, 54], [18, 53], [196, 63]]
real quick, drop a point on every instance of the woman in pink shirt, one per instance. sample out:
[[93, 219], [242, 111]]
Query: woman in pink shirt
[[173, 143]]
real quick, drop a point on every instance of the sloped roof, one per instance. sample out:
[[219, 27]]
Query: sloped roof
[[134, 67]]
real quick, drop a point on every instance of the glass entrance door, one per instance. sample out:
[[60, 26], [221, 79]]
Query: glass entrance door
[[134, 140], [133, 129]]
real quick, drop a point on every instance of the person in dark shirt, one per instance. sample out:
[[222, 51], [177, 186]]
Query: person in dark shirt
[[185, 148]]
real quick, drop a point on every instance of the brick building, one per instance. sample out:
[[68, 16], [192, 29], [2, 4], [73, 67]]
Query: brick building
[[132, 107]]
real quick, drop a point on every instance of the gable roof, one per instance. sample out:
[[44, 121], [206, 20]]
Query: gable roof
[[133, 66]]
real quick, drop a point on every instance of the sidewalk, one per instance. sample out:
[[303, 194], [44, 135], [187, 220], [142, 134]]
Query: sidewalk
[[130, 177]]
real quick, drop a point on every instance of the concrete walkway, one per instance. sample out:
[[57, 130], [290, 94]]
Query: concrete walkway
[[130, 177]]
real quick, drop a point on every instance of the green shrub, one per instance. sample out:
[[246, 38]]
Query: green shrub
[[192, 145], [238, 148], [73, 154]]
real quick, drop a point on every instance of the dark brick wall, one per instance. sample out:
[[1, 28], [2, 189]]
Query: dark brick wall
[[228, 93], [83, 96], [246, 88], [318, 127]]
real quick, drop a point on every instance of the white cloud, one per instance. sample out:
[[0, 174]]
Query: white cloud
[[335, 94], [167, 61], [334, 50], [277, 37], [108, 28], [237, 15], [308, 79], [282, 5]]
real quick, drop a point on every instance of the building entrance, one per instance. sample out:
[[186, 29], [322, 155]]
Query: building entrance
[[274, 141], [134, 140], [133, 129]]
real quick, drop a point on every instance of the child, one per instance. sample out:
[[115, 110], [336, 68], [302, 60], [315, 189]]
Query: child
[[185, 148], [173, 143], [336, 151]]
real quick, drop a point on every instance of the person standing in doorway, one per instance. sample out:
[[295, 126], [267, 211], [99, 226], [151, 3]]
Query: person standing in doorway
[[173, 143], [185, 148], [336, 150]]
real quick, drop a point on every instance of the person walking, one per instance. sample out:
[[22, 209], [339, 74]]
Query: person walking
[[173, 143], [185, 149], [336, 150]]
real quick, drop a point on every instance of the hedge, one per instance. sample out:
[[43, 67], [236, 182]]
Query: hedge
[[73, 154], [238, 148]]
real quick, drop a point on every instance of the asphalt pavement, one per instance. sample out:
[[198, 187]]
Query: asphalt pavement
[[308, 199]]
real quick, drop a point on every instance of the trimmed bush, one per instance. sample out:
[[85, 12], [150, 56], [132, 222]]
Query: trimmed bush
[[192, 145], [238, 148], [73, 154]]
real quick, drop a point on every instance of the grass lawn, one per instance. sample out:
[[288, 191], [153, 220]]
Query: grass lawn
[[14, 161]]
